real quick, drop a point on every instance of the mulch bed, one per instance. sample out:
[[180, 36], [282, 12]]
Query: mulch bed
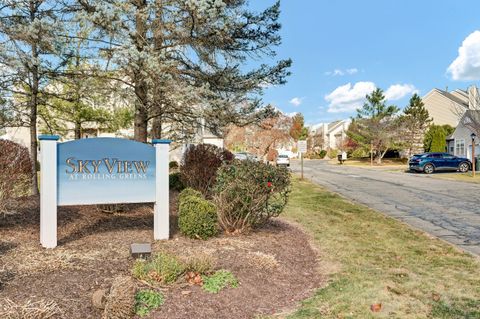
[[276, 266]]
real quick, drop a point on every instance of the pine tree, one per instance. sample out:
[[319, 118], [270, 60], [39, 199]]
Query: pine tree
[[375, 127], [414, 122], [188, 61], [435, 138], [438, 141], [31, 53]]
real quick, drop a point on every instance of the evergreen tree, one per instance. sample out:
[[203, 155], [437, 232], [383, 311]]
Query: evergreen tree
[[187, 62], [31, 53], [374, 127], [435, 138], [414, 122], [82, 99], [438, 141]]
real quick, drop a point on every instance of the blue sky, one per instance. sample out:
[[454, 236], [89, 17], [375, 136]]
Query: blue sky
[[342, 49]]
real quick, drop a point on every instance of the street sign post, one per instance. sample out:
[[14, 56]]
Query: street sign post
[[302, 148]]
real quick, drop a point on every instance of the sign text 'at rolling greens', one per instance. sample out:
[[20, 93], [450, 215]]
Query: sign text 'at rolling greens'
[[102, 171]]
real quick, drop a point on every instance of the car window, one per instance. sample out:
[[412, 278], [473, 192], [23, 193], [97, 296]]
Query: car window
[[448, 156]]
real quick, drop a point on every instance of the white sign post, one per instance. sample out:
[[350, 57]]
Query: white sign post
[[48, 194], [302, 148], [161, 217]]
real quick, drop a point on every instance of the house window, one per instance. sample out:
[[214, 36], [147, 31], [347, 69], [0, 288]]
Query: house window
[[460, 147]]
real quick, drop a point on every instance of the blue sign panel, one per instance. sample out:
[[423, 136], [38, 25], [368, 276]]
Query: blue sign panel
[[105, 171]]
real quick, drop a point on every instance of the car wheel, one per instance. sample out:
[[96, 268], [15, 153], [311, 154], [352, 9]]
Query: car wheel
[[429, 169], [463, 167]]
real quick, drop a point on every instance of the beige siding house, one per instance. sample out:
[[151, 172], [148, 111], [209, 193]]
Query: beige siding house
[[446, 107]]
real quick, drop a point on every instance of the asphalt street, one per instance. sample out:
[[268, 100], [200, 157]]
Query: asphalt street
[[447, 209]]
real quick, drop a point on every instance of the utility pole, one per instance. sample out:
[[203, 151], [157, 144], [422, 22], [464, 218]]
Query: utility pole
[[473, 135]]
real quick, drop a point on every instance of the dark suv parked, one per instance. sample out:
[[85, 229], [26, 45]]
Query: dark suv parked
[[431, 162]]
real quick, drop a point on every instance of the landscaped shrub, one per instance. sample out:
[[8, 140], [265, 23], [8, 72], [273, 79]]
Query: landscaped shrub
[[197, 217], [200, 164], [15, 172], [332, 153], [146, 301], [187, 192], [359, 153], [248, 193], [322, 154], [173, 165], [175, 182], [163, 268]]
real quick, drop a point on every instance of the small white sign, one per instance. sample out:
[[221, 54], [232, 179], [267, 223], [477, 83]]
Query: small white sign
[[302, 146]]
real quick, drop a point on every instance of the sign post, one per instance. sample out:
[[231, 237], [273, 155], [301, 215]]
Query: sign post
[[161, 221], [102, 171], [302, 148], [48, 187]]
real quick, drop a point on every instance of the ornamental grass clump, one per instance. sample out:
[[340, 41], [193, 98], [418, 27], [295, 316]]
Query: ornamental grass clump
[[163, 268], [247, 194]]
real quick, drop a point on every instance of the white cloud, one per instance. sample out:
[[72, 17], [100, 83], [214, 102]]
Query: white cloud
[[340, 72], [352, 71], [466, 67], [348, 97], [296, 101], [398, 91]]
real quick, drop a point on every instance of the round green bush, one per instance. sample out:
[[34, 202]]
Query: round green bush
[[187, 192], [197, 217], [175, 182]]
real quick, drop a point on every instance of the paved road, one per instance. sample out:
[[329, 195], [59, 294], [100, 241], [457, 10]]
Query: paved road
[[446, 209]]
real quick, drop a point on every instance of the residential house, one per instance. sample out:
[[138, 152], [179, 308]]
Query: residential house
[[447, 107], [332, 134], [460, 142]]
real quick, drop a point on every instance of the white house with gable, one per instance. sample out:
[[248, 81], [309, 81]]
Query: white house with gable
[[460, 142], [333, 134]]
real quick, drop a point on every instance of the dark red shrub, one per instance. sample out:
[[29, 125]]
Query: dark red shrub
[[200, 164], [15, 172]]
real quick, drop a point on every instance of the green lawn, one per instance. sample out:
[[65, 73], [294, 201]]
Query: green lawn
[[372, 259], [461, 177]]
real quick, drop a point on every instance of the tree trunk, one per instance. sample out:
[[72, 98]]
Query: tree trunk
[[33, 108], [78, 131], [157, 128], [141, 103], [381, 155], [33, 147], [141, 124], [158, 98]]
